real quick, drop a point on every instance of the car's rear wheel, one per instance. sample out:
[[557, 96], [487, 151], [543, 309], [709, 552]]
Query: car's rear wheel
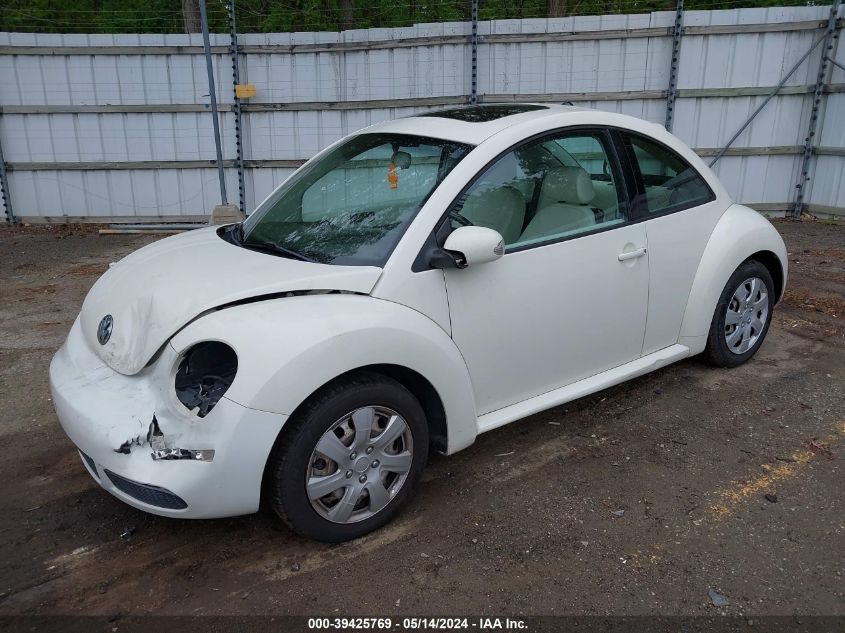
[[742, 316], [349, 459]]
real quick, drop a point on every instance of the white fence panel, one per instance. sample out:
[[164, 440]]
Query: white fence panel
[[118, 126]]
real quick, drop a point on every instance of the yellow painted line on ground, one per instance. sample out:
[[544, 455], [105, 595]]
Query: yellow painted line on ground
[[732, 497], [661, 553]]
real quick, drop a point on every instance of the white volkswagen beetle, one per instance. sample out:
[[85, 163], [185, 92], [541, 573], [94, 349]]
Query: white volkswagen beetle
[[415, 284]]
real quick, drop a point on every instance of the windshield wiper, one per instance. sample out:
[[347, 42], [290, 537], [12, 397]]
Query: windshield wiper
[[276, 249]]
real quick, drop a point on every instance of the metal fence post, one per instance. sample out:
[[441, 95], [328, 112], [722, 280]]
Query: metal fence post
[[672, 93], [473, 93], [768, 98], [4, 189], [212, 94], [236, 79], [818, 91]]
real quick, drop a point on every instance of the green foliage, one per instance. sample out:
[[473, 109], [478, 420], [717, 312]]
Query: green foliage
[[165, 16], [91, 16]]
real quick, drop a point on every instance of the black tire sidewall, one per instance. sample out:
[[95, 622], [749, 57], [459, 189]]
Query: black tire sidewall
[[288, 492], [717, 348]]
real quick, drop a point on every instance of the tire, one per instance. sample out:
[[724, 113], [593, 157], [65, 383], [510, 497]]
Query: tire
[[326, 417], [726, 342]]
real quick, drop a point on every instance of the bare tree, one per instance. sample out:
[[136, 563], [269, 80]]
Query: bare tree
[[556, 8], [191, 16]]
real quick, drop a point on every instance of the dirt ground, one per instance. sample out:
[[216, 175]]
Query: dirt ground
[[728, 479]]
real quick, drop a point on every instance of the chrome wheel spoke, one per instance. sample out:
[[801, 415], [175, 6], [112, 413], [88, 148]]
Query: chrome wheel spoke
[[755, 288], [319, 487], [363, 419], [757, 325], [396, 426], [762, 303], [400, 463], [379, 497], [333, 448], [732, 318]]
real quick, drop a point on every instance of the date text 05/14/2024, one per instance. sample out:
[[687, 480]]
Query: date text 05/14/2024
[[417, 624]]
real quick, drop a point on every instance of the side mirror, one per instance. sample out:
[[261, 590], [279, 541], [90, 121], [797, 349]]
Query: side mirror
[[470, 245]]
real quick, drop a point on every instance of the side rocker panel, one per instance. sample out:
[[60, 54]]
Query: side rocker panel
[[740, 233], [288, 348]]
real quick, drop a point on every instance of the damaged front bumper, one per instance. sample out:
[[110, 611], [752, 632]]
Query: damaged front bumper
[[142, 446]]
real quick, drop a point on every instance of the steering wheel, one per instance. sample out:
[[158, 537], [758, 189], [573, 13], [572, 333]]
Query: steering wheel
[[457, 217]]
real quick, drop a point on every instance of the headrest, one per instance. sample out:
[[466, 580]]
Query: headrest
[[568, 185], [500, 208], [494, 199], [401, 160]]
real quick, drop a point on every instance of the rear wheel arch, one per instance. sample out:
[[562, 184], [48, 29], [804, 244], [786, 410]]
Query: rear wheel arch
[[775, 268], [740, 235], [730, 344]]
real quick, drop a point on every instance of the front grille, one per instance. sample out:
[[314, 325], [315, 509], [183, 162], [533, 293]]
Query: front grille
[[151, 495], [91, 464]]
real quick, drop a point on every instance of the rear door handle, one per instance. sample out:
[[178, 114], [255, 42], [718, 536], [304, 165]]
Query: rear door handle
[[632, 254]]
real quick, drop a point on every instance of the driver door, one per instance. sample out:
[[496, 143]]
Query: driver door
[[568, 299]]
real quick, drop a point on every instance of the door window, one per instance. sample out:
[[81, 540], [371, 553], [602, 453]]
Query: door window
[[551, 188], [669, 183]]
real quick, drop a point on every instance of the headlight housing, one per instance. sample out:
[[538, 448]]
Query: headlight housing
[[204, 374]]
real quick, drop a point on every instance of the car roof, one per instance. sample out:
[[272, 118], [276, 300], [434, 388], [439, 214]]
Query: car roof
[[475, 124], [500, 130], [471, 124]]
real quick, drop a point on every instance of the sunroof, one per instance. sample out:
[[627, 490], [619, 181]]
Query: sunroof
[[484, 113]]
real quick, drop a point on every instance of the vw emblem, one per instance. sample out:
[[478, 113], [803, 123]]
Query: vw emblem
[[104, 329]]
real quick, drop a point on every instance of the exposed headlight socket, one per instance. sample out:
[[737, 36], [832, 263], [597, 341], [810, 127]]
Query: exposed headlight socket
[[205, 373]]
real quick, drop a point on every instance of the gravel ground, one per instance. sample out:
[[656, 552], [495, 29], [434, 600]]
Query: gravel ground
[[728, 479]]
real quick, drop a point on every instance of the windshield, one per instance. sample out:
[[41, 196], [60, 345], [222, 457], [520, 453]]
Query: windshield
[[353, 204]]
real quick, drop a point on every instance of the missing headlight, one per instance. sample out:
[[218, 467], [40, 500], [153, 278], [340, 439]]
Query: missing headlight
[[205, 372]]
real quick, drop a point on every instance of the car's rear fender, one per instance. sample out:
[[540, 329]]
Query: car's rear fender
[[740, 233], [290, 347]]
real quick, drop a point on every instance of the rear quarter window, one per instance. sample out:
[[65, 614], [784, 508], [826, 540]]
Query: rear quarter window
[[667, 183]]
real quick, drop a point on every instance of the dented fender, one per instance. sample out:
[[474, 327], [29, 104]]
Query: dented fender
[[288, 348]]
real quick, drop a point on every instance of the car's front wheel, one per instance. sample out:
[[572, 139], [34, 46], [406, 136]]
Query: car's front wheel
[[349, 459], [742, 316]]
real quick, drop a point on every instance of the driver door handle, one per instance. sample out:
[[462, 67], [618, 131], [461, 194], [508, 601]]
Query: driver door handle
[[632, 254]]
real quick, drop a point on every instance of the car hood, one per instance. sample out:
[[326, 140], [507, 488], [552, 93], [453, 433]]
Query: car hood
[[152, 293]]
